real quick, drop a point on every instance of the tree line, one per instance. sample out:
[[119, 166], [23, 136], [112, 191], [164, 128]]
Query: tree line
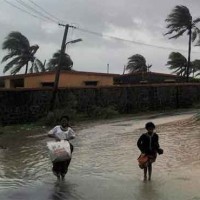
[[179, 21], [21, 54]]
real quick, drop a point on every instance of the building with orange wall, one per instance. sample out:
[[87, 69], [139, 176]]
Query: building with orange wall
[[67, 79]]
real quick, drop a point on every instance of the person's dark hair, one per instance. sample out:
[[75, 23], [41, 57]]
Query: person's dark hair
[[150, 125], [64, 117]]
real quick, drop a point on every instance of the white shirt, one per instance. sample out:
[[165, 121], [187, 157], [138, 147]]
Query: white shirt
[[60, 134]]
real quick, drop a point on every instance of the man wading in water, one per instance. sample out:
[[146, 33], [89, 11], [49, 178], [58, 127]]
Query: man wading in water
[[62, 132], [148, 143]]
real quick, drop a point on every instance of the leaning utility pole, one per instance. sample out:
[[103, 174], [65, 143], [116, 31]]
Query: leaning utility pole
[[56, 83]]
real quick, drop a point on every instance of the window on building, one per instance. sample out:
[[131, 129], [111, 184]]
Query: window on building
[[91, 83], [2, 83], [47, 84], [17, 83], [169, 80], [143, 82], [117, 81]]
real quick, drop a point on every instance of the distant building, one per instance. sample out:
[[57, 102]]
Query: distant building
[[67, 79], [86, 79], [148, 78]]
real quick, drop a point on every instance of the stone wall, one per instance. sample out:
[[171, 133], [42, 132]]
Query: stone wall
[[21, 106]]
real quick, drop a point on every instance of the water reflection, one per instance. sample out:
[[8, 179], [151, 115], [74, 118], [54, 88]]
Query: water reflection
[[64, 191], [148, 190]]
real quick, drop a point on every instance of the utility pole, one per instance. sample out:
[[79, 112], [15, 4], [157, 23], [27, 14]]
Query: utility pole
[[108, 68], [124, 70], [57, 76]]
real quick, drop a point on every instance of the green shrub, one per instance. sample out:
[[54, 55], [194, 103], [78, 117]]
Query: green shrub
[[66, 100], [102, 112], [53, 118]]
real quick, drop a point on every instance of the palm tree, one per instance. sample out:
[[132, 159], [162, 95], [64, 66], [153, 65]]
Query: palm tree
[[148, 68], [137, 63], [66, 62], [180, 21], [178, 63], [21, 53], [195, 65], [37, 66]]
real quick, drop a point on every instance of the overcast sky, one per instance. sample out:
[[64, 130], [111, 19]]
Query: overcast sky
[[138, 20]]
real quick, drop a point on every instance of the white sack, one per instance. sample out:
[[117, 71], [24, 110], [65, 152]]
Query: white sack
[[59, 151]]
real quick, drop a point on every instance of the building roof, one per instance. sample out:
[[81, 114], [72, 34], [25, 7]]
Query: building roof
[[53, 72], [149, 73]]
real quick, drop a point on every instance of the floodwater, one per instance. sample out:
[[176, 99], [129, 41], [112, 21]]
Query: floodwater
[[104, 164]]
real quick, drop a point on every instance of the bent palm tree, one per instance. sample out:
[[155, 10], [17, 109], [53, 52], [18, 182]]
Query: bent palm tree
[[180, 21], [66, 62], [21, 53], [137, 63], [178, 63], [195, 67]]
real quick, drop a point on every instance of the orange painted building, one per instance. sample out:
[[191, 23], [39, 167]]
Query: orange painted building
[[67, 79]]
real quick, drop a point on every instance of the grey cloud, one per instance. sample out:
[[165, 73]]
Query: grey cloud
[[143, 20]]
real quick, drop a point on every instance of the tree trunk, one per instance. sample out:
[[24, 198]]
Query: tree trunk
[[181, 72], [26, 68], [189, 53]]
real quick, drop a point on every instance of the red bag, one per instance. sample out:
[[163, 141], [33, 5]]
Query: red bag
[[143, 161]]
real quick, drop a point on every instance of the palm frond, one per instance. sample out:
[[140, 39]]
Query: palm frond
[[194, 35], [8, 56], [178, 21], [180, 33], [179, 17], [40, 65], [33, 49], [177, 62], [11, 64], [18, 45], [66, 62], [196, 20], [37, 66], [31, 68], [197, 30], [136, 63], [15, 41], [16, 69]]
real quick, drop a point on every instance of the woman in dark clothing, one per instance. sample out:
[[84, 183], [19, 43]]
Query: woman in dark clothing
[[148, 143]]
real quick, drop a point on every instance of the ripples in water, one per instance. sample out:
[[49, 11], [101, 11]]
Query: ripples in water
[[105, 157]]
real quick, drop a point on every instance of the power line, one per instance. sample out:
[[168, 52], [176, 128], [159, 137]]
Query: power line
[[110, 36], [42, 9], [34, 10], [81, 29], [13, 5], [130, 41]]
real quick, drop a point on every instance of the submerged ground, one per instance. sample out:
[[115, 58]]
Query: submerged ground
[[104, 164]]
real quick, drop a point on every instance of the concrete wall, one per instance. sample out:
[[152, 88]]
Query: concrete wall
[[7, 83], [67, 79], [19, 106]]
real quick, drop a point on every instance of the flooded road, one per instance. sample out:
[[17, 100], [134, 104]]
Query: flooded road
[[104, 164]]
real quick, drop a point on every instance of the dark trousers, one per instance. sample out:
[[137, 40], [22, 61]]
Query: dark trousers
[[61, 168]]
